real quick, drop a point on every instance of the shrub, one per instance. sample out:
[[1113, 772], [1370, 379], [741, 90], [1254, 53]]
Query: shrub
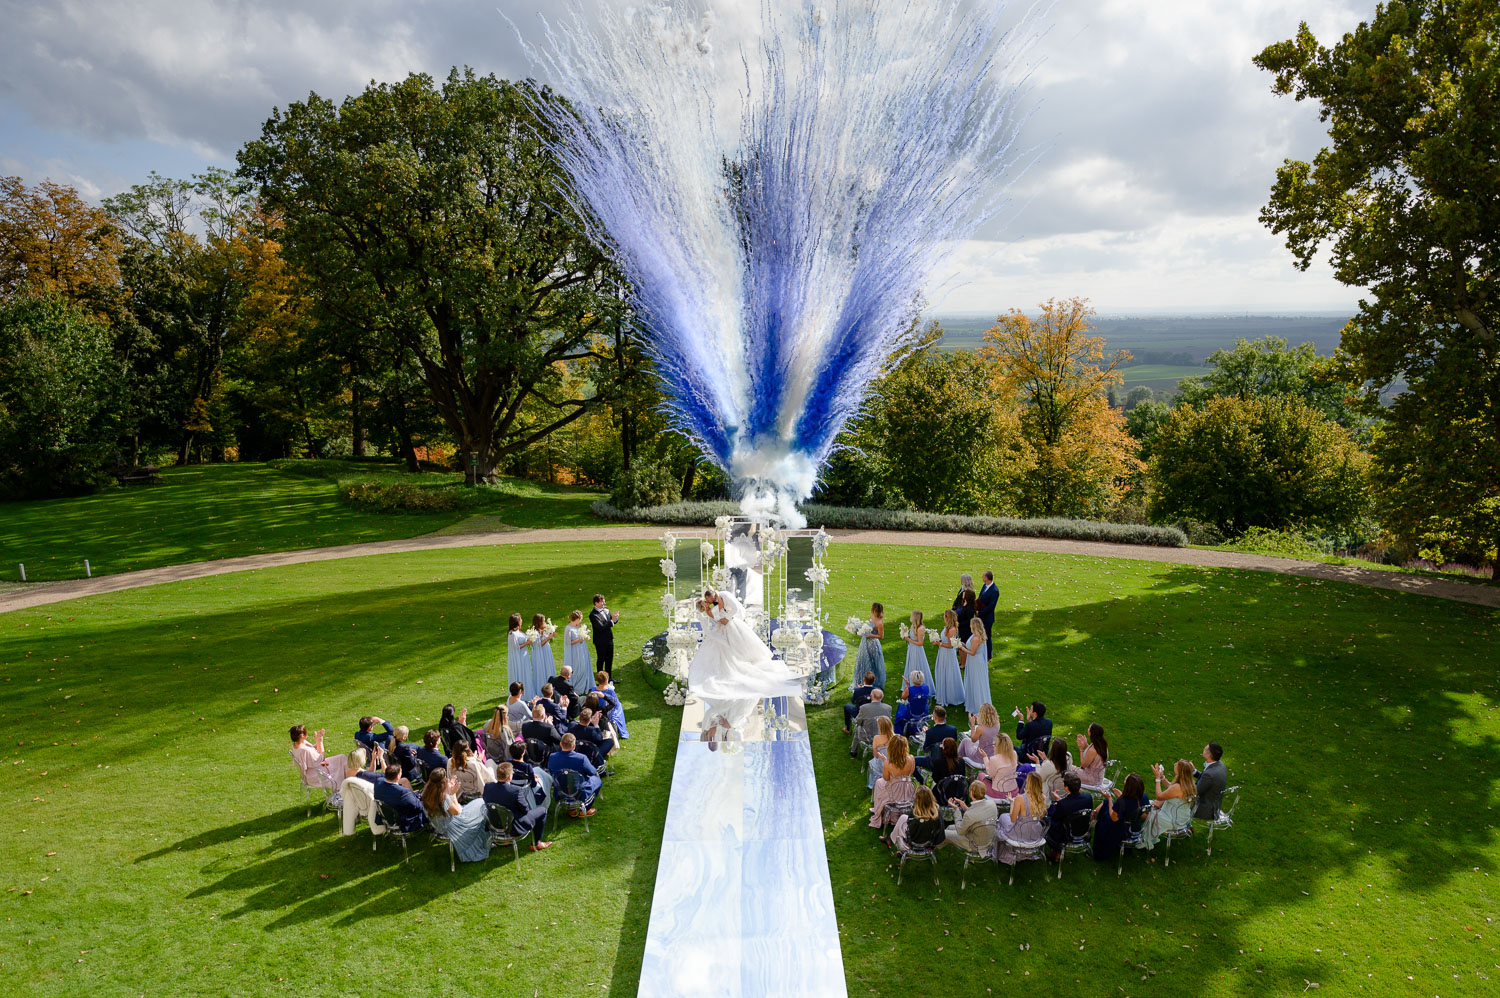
[[649, 482], [704, 513], [398, 497]]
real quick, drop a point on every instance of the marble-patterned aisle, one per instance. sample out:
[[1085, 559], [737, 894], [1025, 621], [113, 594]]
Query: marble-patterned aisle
[[743, 905]]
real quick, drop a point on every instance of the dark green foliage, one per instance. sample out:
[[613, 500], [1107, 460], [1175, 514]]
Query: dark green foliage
[[1268, 368], [387, 497], [649, 482]]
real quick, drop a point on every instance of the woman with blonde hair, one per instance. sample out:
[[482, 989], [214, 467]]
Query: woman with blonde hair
[[497, 736], [922, 829], [884, 730], [976, 668], [947, 679], [1173, 808], [1024, 821], [871, 656], [543, 665], [1000, 768], [916, 654], [895, 784], [980, 741], [576, 654]]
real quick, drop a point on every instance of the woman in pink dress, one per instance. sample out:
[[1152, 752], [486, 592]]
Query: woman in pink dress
[[895, 785], [1093, 753], [980, 741], [1000, 769], [318, 770]]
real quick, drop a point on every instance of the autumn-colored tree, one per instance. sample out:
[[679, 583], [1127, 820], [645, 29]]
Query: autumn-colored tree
[[1060, 376], [53, 241]]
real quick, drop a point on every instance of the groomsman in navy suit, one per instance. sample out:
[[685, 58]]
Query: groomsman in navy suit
[[989, 595]]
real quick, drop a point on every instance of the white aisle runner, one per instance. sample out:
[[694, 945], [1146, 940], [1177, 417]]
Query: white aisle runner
[[743, 905]]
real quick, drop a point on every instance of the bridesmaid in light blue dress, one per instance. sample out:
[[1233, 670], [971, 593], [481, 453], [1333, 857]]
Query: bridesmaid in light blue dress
[[518, 658], [871, 654], [947, 680], [916, 654], [543, 665], [976, 670], [576, 654]]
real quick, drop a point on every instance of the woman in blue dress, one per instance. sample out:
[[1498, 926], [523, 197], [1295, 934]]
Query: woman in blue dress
[[518, 658], [947, 680], [916, 654], [976, 670], [576, 654], [465, 826], [543, 665], [609, 702], [871, 654]]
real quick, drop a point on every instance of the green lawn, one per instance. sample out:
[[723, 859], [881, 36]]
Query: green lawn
[[164, 851], [221, 511]]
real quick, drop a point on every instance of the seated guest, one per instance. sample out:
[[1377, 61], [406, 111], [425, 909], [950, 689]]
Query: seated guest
[[372, 739], [390, 789], [523, 816], [975, 829], [404, 754], [566, 758], [922, 829], [540, 728], [872, 711], [1030, 803], [1000, 769], [600, 723], [609, 700], [496, 736], [1173, 804], [1093, 753], [1073, 801], [517, 711], [557, 711], [946, 762], [428, 755], [588, 738], [538, 781], [1051, 767], [357, 759], [466, 827], [1211, 783], [562, 689], [453, 726], [318, 770], [857, 699], [884, 730], [980, 741], [1033, 729], [937, 732], [1116, 816], [914, 701], [472, 774], [895, 785]]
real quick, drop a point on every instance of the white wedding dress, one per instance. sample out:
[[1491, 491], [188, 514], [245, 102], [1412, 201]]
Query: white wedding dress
[[733, 663]]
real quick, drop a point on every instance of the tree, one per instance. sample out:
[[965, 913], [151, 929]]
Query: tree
[[1137, 395], [1408, 197], [1266, 368], [1259, 462], [436, 214], [51, 240], [59, 391], [1143, 422], [1083, 455]]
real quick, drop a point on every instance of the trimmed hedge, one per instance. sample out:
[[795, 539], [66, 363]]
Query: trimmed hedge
[[699, 514], [399, 496]]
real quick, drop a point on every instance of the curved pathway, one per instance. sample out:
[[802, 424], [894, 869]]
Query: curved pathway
[[43, 593]]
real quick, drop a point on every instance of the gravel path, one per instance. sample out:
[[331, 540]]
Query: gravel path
[[43, 593]]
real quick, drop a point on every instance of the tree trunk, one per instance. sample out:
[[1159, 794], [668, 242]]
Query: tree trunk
[[185, 451], [408, 450], [687, 479]]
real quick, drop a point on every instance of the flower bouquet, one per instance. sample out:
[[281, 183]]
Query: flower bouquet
[[905, 631], [817, 575], [669, 542], [706, 551], [532, 637], [668, 568], [548, 629]]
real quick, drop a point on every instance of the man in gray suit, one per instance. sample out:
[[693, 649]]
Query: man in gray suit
[[1211, 782], [868, 714]]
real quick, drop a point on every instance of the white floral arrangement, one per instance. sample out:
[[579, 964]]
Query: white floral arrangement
[[905, 631], [679, 639], [722, 579], [668, 568], [785, 638], [814, 639], [935, 635], [722, 522], [668, 603], [817, 575], [669, 542], [857, 627], [532, 637], [675, 694], [548, 629], [585, 632], [706, 551]]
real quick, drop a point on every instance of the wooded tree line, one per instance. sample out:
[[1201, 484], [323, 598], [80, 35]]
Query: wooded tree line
[[401, 273]]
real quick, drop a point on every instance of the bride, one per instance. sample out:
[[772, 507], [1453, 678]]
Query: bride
[[732, 662]]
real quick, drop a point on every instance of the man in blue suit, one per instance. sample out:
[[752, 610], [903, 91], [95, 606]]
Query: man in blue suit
[[522, 816], [569, 758], [410, 816], [989, 595], [370, 738]]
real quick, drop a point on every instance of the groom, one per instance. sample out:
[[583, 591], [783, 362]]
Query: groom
[[603, 622], [989, 595]]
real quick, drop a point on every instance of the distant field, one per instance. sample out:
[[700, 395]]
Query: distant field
[[1159, 378]]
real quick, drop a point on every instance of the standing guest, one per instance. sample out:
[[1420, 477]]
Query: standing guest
[[464, 826], [576, 653], [1117, 816], [609, 702], [977, 669], [871, 654], [922, 829], [471, 774], [980, 741], [1000, 768], [1033, 728], [895, 785], [913, 707], [404, 753], [1173, 803], [542, 662], [518, 654], [428, 755], [497, 736], [541, 729], [1211, 783], [371, 739], [964, 607], [947, 677], [318, 770], [916, 651], [1051, 767], [453, 726], [603, 622], [984, 609], [524, 818], [390, 791], [1093, 753], [1074, 800], [568, 758], [975, 829], [858, 697], [516, 708]]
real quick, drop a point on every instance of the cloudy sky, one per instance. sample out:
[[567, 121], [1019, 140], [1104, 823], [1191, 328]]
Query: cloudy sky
[[1162, 139]]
